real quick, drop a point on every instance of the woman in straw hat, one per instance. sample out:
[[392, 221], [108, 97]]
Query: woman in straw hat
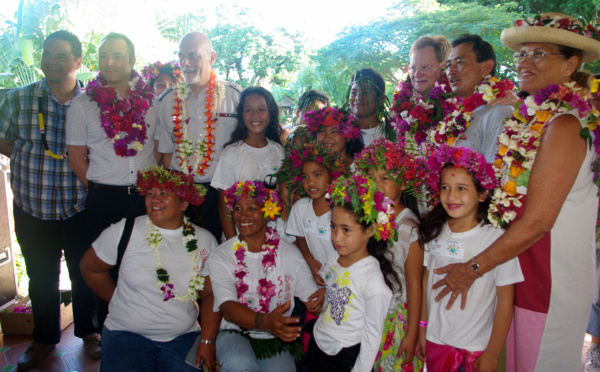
[[548, 199]]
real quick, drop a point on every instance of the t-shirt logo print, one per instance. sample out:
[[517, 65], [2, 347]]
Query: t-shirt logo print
[[335, 298], [453, 249]]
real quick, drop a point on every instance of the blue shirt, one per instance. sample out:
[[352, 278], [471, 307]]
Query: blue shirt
[[43, 187]]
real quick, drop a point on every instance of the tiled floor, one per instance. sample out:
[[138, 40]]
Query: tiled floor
[[69, 355]]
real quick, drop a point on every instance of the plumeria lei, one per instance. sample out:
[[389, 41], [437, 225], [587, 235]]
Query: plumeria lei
[[202, 151], [332, 117], [568, 24], [459, 157], [266, 288], [122, 119], [267, 198], [366, 201], [521, 137], [453, 126], [297, 155], [400, 165], [190, 242], [173, 182], [151, 72]]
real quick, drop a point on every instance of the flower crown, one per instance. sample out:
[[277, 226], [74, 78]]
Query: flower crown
[[171, 181], [151, 72], [460, 157], [332, 117], [267, 198], [297, 155], [401, 166], [568, 24], [370, 204]]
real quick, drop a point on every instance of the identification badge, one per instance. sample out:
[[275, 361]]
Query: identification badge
[[268, 168], [316, 229], [448, 248], [328, 275]]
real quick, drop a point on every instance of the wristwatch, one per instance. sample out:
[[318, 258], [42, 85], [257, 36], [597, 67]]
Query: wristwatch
[[475, 267]]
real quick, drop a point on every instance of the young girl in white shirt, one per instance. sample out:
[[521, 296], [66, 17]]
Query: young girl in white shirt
[[358, 278], [254, 151], [398, 175], [455, 231]]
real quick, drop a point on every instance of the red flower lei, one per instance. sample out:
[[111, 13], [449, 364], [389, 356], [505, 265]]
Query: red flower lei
[[266, 289], [202, 149], [123, 115]]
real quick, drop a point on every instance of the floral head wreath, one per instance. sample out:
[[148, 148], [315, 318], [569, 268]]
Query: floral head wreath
[[297, 155], [361, 194], [332, 117], [460, 157], [151, 72], [171, 181], [267, 198], [401, 166]]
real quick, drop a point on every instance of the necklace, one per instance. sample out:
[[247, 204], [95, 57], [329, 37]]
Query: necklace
[[122, 119], [266, 288], [203, 149], [190, 242]]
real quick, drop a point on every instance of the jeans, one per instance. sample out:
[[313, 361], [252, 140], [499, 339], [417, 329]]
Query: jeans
[[593, 327], [131, 352], [235, 354], [42, 242]]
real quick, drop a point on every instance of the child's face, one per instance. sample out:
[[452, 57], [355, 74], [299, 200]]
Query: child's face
[[248, 217], [332, 139], [315, 179], [458, 195], [256, 114], [386, 185], [347, 235]]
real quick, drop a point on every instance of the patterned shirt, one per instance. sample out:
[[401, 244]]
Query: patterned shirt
[[43, 187]]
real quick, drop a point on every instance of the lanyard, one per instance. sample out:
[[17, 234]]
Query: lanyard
[[40, 97]]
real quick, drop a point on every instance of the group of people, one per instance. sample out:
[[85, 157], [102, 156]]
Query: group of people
[[205, 228]]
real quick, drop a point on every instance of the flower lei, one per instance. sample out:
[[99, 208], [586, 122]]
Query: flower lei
[[203, 149], [151, 72], [268, 198], [370, 204], [399, 165], [266, 289], [567, 24], [332, 117], [122, 119], [190, 242], [521, 137], [173, 182], [453, 126]]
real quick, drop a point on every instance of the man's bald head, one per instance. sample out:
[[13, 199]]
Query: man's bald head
[[196, 57]]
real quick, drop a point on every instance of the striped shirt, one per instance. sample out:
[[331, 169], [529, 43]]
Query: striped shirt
[[43, 187]]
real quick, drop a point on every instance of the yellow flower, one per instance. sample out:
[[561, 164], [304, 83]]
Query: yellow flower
[[271, 210], [595, 84]]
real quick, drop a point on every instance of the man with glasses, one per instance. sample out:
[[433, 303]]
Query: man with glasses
[[471, 60], [196, 119]]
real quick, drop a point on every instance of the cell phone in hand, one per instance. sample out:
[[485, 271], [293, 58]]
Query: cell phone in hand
[[191, 355]]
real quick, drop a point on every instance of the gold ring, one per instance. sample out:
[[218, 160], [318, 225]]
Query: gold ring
[[454, 295]]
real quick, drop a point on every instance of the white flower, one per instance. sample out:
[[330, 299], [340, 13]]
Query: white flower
[[382, 218]]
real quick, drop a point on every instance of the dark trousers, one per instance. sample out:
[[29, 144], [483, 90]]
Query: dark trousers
[[42, 242], [207, 214], [104, 209], [317, 360]]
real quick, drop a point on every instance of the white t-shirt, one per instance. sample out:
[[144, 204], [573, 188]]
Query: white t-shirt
[[137, 305], [241, 162], [291, 276], [408, 233], [468, 329], [371, 134], [304, 222], [281, 227], [356, 303]]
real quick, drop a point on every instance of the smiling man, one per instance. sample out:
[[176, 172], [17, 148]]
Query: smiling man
[[196, 119], [470, 62], [49, 200]]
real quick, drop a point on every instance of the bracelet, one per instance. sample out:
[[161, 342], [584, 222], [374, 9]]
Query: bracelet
[[422, 323], [212, 342]]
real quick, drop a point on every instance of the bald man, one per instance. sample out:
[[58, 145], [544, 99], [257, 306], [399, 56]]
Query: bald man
[[183, 146]]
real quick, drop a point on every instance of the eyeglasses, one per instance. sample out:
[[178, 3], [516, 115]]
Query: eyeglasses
[[534, 56], [414, 69]]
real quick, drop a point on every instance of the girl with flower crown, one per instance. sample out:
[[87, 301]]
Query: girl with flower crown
[[455, 231], [254, 150], [398, 175], [336, 130], [358, 278], [255, 276], [153, 315]]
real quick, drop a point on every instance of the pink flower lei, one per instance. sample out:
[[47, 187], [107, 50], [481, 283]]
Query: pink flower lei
[[122, 119], [266, 289], [332, 117]]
